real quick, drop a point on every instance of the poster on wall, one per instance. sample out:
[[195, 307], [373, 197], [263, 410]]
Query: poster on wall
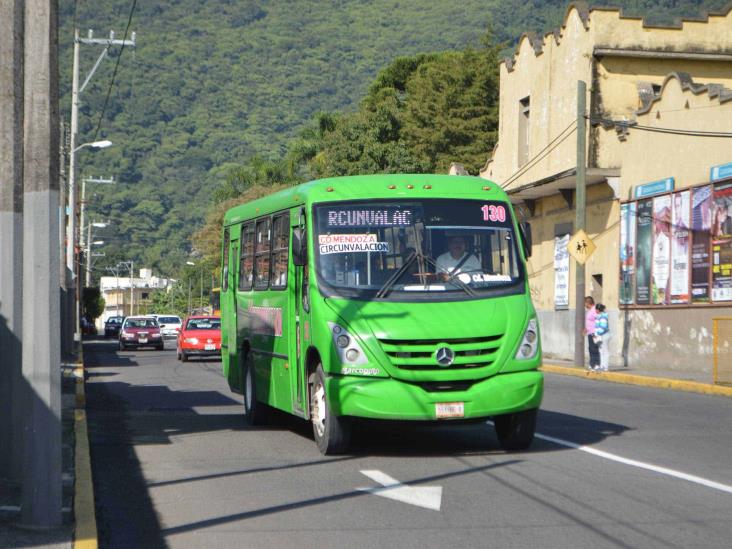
[[722, 243], [680, 243], [701, 225], [644, 240], [627, 251], [561, 272], [661, 249]]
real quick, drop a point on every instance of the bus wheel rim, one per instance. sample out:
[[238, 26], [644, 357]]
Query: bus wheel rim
[[319, 409]]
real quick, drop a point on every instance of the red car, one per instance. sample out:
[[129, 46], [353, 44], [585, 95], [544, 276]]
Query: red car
[[199, 336], [140, 331]]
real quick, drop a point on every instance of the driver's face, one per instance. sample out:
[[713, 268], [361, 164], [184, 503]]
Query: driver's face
[[457, 246]]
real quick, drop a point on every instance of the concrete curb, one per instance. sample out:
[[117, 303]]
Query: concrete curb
[[85, 532], [647, 381]]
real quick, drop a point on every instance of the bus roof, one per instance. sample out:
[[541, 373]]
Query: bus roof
[[365, 187]]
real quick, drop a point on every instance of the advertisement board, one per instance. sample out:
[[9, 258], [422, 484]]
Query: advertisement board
[[701, 225], [680, 243], [627, 251], [661, 272]]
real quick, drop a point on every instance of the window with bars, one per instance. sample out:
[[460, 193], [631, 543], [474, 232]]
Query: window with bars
[[262, 250], [246, 261], [280, 248]]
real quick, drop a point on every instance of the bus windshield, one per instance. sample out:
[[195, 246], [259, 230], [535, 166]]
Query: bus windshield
[[434, 248]]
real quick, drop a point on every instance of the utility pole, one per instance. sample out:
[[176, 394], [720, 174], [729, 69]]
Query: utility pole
[[71, 229], [11, 237], [579, 223], [41, 485], [131, 266], [82, 208]]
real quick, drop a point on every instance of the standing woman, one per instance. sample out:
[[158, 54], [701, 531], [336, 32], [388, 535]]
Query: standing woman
[[602, 333], [589, 331]]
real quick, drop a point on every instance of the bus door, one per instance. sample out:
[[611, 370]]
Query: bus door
[[230, 263], [301, 309]]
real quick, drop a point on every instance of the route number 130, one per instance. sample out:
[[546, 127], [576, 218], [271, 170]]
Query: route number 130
[[493, 213]]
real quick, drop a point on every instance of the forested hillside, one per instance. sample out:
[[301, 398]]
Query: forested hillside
[[220, 94]]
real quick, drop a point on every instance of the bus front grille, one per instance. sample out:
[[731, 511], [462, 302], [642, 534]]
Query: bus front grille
[[420, 354]]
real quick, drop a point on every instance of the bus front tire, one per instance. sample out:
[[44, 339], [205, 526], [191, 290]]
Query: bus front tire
[[255, 412], [332, 433], [183, 357], [516, 431]]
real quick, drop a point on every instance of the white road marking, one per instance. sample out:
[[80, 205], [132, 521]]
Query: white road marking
[[429, 497], [640, 464]]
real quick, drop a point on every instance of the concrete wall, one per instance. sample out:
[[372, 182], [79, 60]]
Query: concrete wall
[[688, 159]]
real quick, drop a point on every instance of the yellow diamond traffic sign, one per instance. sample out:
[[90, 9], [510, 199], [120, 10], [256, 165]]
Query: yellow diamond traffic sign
[[581, 246]]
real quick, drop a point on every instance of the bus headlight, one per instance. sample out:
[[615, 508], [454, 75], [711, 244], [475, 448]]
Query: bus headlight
[[191, 340], [530, 342], [348, 349]]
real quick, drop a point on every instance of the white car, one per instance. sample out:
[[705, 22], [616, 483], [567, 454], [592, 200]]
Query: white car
[[170, 325]]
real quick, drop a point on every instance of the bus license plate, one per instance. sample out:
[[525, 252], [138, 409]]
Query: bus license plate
[[209, 347], [450, 409], [143, 340]]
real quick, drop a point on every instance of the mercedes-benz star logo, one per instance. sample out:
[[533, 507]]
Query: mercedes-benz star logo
[[444, 356]]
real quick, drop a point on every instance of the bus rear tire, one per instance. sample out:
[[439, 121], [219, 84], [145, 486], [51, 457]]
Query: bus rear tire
[[255, 412], [332, 433], [516, 431]]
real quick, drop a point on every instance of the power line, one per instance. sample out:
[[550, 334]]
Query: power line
[[554, 143], [626, 125], [114, 74]]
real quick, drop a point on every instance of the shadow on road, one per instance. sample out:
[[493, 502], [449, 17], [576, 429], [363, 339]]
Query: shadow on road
[[124, 415]]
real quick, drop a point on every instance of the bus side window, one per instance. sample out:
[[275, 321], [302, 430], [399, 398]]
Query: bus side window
[[225, 262], [280, 249], [261, 253], [246, 259]]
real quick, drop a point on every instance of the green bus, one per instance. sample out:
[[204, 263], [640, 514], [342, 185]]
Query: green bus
[[385, 297]]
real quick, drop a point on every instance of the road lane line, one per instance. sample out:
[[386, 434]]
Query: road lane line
[[429, 497], [640, 464]]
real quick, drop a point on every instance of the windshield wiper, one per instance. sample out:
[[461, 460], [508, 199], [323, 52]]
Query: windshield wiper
[[389, 284], [452, 279]]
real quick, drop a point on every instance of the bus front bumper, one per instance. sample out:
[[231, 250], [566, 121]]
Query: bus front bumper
[[380, 398]]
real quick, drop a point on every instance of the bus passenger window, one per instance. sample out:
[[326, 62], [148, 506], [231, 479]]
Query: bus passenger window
[[261, 254], [280, 248], [246, 263]]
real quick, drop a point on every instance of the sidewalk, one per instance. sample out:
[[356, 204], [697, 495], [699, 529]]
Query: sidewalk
[[690, 381], [10, 493]]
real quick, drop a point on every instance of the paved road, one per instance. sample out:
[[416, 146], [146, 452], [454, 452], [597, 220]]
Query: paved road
[[174, 466]]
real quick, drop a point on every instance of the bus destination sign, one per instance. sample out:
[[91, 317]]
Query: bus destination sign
[[370, 217]]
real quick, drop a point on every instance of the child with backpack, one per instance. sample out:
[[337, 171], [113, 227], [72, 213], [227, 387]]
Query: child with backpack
[[601, 337]]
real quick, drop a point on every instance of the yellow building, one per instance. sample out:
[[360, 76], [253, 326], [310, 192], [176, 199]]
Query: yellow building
[[655, 95]]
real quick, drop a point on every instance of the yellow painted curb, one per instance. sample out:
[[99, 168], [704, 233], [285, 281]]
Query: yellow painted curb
[[85, 534], [647, 381]]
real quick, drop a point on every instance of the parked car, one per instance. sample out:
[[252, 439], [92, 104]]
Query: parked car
[[140, 331], [169, 324], [112, 326], [200, 336], [87, 326]]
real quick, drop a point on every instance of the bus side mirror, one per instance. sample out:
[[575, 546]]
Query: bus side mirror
[[299, 248], [525, 227]]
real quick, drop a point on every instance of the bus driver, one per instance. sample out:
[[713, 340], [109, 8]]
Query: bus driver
[[456, 260]]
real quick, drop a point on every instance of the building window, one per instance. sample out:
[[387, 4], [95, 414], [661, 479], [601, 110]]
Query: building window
[[523, 131]]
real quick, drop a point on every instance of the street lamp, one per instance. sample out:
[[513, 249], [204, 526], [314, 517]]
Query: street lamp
[[87, 248], [189, 288], [71, 237], [95, 145]]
